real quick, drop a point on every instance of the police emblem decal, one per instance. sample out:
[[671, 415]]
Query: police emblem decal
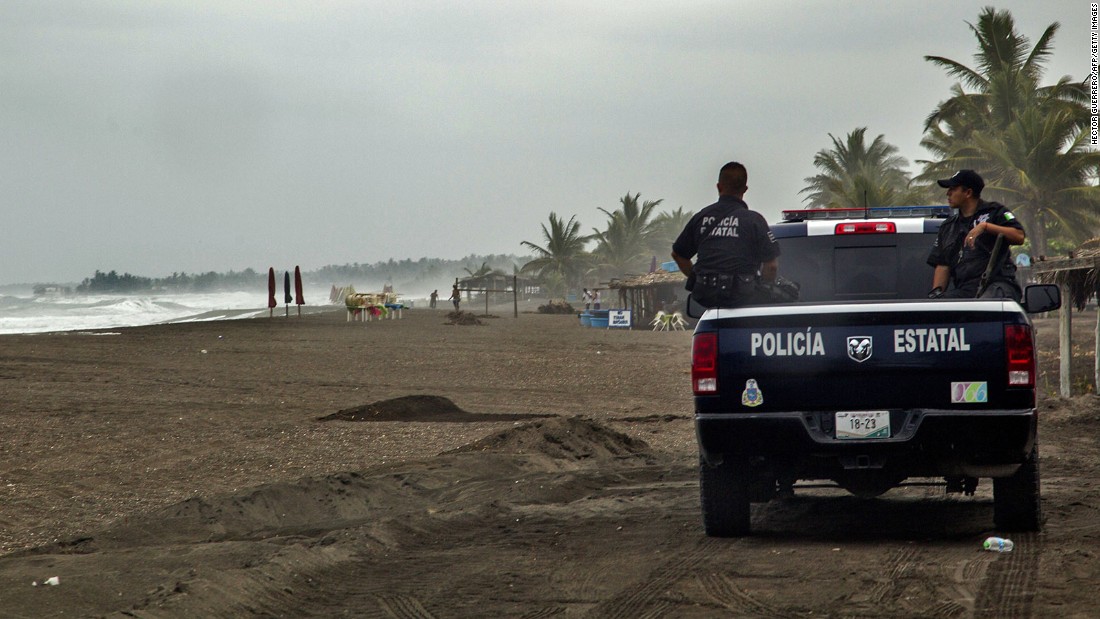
[[752, 396], [859, 347]]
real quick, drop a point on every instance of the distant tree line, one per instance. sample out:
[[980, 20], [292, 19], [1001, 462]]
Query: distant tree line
[[405, 275], [112, 282], [418, 275]]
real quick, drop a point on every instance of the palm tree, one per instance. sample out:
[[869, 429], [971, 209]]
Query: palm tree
[[854, 174], [625, 244], [1026, 140], [667, 226], [562, 261], [481, 271]]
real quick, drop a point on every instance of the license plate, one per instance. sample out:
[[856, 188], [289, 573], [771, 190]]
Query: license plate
[[862, 424]]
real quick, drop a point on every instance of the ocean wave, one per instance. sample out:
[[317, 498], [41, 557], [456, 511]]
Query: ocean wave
[[86, 312]]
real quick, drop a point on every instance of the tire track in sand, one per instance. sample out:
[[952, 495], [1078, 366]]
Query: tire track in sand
[[646, 599], [724, 591], [890, 589], [1008, 589], [403, 607]]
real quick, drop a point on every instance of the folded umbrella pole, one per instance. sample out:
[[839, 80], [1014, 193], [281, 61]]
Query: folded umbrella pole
[[299, 299], [271, 292], [286, 291]]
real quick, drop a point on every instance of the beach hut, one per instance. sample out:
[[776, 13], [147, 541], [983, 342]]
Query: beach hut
[[645, 295], [1078, 275]]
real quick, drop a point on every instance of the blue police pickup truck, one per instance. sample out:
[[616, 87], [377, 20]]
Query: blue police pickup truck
[[864, 381]]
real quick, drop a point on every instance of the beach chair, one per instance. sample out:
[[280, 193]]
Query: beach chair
[[659, 322]]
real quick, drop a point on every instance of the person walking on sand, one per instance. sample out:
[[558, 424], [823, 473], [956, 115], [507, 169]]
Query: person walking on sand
[[733, 247], [434, 298], [456, 296]]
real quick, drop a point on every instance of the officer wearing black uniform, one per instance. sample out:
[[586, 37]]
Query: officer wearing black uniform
[[965, 243], [731, 245]]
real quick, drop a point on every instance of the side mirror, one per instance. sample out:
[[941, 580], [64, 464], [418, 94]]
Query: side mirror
[[693, 308], [1040, 298]]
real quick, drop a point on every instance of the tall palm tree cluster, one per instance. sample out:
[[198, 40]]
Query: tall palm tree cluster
[[1029, 142], [632, 236], [857, 175]]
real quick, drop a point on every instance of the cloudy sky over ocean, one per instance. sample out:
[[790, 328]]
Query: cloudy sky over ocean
[[151, 137]]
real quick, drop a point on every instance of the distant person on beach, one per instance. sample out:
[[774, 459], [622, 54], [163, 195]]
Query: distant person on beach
[[733, 247], [595, 298], [434, 298], [586, 296], [456, 296]]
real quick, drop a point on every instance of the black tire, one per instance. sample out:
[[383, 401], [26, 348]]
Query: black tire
[[1016, 502], [724, 494]]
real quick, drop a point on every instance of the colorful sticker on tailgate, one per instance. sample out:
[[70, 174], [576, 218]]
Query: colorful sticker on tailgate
[[969, 393], [752, 396]]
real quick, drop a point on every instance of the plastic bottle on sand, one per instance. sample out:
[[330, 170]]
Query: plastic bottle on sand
[[998, 544]]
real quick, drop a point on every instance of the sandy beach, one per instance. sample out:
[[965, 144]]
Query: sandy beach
[[524, 467]]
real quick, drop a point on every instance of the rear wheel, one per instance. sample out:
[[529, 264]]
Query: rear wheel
[[1016, 504], [724, 494]]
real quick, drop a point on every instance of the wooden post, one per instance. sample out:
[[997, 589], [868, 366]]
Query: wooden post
[[1065, 345], [515, 297]]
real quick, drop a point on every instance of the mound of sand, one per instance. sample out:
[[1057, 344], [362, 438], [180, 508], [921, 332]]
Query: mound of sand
[[1078, 410], [422, 408], [563, 438], [462, 318], [312, 506]]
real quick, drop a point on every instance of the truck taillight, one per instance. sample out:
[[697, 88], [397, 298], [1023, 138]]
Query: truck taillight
[[1020, 353], [866, 227], [704, 363]]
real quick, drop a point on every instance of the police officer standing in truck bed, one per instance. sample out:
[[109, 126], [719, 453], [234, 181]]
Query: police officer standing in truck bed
[[731, 245], [964, 246]]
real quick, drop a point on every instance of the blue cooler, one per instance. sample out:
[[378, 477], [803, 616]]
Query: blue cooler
[[586, 319], [599, 319]]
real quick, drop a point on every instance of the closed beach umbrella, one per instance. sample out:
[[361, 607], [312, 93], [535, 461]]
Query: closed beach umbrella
[[271, 287], [299, 299], [286, 287]]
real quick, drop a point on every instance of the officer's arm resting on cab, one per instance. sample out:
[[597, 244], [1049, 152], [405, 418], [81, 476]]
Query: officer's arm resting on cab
[[1013, 236]]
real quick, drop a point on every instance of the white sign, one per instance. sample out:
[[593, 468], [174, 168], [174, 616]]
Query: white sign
[[618, 319]]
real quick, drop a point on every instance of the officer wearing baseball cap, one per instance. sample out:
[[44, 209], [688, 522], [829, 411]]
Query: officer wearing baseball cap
[[965, 243]]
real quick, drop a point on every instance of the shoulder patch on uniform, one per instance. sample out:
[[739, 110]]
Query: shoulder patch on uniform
[[1009, 216]]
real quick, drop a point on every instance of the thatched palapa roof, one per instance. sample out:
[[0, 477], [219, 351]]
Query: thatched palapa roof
[[1076, 274], [648, 280]]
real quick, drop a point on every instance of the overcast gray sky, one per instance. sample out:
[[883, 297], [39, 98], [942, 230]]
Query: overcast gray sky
[[150, 136]]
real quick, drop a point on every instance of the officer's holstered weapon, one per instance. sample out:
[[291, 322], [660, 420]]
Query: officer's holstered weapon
[[992, 266]]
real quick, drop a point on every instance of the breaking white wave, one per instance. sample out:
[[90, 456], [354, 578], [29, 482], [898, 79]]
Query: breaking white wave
[[30, 314]]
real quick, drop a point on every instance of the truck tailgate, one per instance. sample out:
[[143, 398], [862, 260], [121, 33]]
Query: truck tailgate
[[884, 355]]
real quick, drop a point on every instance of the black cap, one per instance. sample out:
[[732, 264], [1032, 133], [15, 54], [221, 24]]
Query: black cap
[[965, 178]]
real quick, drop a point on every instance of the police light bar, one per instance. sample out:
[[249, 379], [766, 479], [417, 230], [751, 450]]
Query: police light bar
[[876, 212]]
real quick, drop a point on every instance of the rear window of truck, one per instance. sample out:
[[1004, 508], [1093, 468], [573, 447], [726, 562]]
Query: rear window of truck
[[857, 267]]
